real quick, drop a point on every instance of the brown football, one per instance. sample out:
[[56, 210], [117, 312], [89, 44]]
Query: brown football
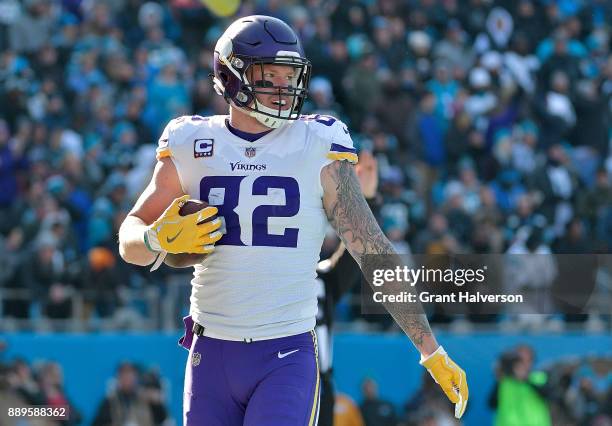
[[186, 260], [192, 206]]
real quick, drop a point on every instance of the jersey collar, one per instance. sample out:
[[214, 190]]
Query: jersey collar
[[250, 137]]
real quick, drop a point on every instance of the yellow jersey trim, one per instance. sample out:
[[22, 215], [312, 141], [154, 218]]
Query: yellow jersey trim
[[340, 156]]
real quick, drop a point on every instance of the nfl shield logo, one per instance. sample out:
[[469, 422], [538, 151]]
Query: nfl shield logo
[[250, 152], [196, 358]]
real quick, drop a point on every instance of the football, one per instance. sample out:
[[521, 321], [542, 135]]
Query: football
[[186, 260], [192, 206]]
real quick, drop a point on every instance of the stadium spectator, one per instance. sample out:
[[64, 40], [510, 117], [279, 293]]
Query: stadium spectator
[[104, 280], [530, 254], [128, 403], [429, 134], [594, 208], [590, 392], [12, 160], [375, 411], [25, 384], [519, 396], [362, 85], [153, 391], [12, 264], [33, 28], [51, 384], [435, 237], [49, 278]]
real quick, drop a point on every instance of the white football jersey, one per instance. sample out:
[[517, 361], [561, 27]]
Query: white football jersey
[[260, 280]]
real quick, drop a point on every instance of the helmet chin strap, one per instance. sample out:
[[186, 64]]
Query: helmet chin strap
[[271, 122], [266, 120]]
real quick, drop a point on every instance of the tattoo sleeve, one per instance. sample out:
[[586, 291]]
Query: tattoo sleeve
[[349, 214]]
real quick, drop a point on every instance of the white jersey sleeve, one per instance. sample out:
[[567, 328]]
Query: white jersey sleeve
[[333, 139], [328, 141], [176, 142], [341, 146]]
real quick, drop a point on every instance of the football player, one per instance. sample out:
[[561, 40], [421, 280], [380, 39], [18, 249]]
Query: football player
[[273, 179]]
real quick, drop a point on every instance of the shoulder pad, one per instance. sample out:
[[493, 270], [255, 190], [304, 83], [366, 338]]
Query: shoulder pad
[[335, 134], [176, 132]]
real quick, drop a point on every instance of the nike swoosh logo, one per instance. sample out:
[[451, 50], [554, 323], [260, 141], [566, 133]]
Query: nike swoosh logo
[[170, 240], [281, 355]]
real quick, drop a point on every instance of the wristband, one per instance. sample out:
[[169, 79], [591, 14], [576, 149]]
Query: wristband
[[148, 244], [440, 351]]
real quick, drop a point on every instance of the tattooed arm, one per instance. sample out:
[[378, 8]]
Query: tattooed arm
[[352, 219]]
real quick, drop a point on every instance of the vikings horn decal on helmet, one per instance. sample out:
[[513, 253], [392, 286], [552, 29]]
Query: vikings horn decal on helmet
[[253, 41]]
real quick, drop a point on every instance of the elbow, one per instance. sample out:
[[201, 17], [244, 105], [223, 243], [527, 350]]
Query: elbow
[[133, 258], [133, 255], [124, 253], [123, 250], [131, 245]]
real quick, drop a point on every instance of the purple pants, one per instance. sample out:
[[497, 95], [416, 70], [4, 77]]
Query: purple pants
[[262, 383]]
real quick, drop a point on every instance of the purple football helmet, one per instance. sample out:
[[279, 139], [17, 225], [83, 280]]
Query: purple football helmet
[[254, 41]]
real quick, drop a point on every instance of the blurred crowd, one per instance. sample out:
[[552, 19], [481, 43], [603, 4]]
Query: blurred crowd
[[489, 120], [566, 391], [134, 397], [23, 386], [569, 392]]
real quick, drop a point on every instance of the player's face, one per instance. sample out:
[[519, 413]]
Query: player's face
[[268, 78]]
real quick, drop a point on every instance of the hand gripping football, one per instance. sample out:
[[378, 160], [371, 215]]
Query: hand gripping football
[[186, 260]]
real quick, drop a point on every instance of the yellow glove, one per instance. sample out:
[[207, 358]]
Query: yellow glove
[[450, 377], [173, 233]]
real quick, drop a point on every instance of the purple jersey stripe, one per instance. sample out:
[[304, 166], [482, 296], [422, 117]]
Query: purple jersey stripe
[[339, 148]]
